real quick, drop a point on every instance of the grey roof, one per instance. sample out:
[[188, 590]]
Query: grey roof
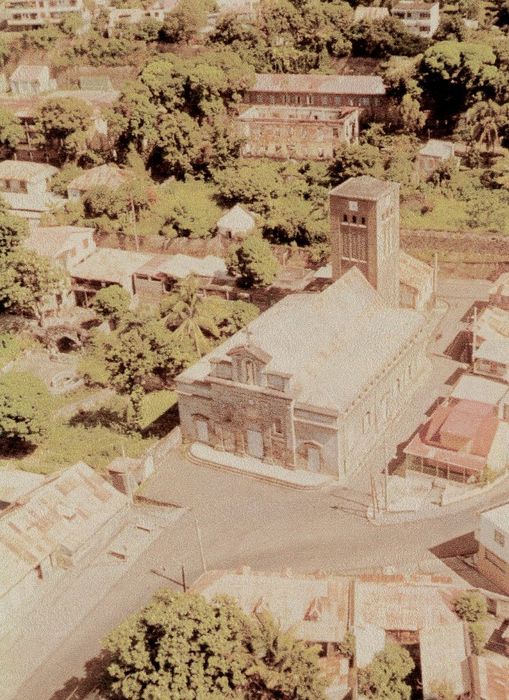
[[332, 343], [364, 187]]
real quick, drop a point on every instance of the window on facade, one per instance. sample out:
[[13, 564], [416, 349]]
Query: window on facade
[[345, 218], [353, 206], [363, 220], [250, 372], [499, 538], [354, 219], [277, 426]]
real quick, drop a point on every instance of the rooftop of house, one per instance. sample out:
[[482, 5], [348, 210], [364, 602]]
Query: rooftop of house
[[181, 266], [496, 350], [369, 13], [302, 114], [363, 187], [25, 107], [15, 483], [499, 517], [29, 73], [332, 343], [413, 272], [413, 5], [493, 324], [95, 83], [493, 677], [501, 285], [444, 658], [106, 175], [63, 512], [31, 203], [52, 241], [403, 606], [326, 84], [26, 170], [438, 149], [316, 607], [237, 220], [460, 433], [110, 265], [481, 389]]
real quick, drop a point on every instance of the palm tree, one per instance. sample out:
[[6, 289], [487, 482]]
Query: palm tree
[[485, 119], [187, 318]]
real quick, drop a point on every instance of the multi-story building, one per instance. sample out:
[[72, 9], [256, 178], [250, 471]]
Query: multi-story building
[[24, 188], [493, 537], [30, 14], [310, 133], [314, 381], [419, 17], [364, 91]]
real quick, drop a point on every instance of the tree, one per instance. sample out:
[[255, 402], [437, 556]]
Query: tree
[[384, 678], [183, 23], [253, 262], [443, 690], [63, 123], [412, 118], [229, 316], [25, 409], [485, 120], [352, 160], [112, 303], [181, 646], [133, 121], [383, 38], [281, 666], [30, 282], [12, 231], [471, 606], [184, 311], [11, 131]]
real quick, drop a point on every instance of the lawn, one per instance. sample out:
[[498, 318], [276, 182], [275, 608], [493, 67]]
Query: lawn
[[95, 436]]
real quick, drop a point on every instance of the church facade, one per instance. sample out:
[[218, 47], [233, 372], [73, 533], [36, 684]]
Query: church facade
[[314, 382]]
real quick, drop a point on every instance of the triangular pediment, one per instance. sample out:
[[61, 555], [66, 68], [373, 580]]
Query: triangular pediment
[[252, 352]]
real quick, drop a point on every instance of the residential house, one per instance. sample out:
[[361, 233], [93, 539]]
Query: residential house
[[32, 14], [464, 440], [433, 154], [106, 176], [365, 13], [31, 80], [106, 266], [159, 274], [492, 534], [134, 15], [283, 132], [490, 343], [60, 524], [419, 17], [445, 657], [237, 223], [67, 246], [245, 11], [24, 188], [364, 91], [499, 292], [144, 275]]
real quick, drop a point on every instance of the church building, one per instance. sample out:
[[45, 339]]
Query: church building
[[314, 382]]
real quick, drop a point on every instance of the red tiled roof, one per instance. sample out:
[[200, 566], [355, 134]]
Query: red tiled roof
[[326, 84]]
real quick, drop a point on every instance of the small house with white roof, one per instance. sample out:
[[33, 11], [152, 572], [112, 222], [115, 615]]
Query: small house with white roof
[[493, 537], [238, 222]]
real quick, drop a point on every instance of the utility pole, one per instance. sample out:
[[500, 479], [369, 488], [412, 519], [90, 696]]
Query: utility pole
[[200, 543], [474, 336], [184, 587], [133, 220]]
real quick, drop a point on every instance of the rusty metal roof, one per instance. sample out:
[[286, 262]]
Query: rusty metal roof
[[324, 84]]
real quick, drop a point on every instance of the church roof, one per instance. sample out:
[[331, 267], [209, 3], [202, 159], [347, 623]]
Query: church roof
[[333, 344]]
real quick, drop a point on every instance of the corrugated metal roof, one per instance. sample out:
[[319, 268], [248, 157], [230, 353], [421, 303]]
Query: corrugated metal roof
[[66, 510], [25, 170], [29, 72], [363, 187], [105, 175], [325, 84], [444, 659]]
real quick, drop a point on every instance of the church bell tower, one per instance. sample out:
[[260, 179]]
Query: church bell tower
[[364, 219]]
